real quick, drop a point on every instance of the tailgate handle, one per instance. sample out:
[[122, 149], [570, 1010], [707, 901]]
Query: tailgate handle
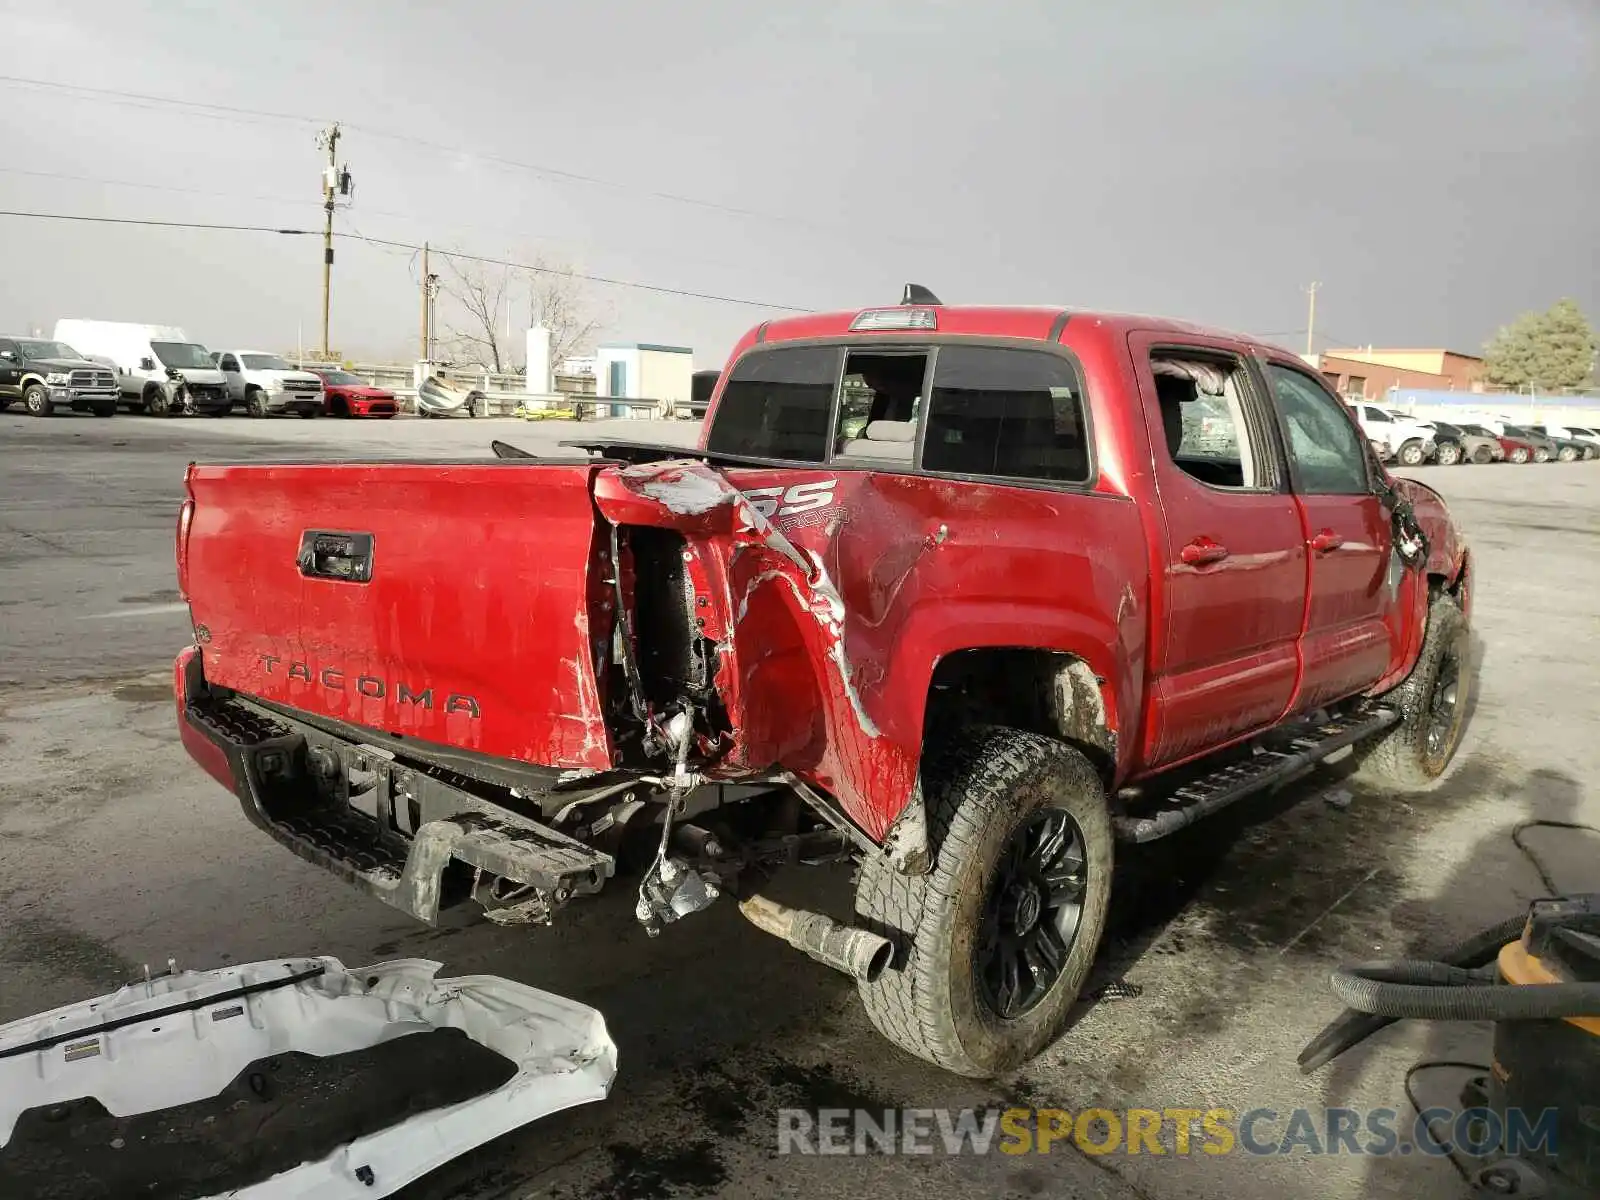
[[346, 557]]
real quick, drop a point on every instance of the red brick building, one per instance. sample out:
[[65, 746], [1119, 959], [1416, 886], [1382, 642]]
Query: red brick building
[[1370, 373]]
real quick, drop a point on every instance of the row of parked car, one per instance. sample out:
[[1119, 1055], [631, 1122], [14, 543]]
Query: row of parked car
[[1411, 441], [106, 366]]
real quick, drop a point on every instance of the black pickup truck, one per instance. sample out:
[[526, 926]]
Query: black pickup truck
[[50, 375]]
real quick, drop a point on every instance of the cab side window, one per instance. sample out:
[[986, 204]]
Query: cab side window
[[778, 404], [1006, 413], [1326, 449]]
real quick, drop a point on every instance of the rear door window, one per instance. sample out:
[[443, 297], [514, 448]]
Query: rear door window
[[778, 404], [1006, 412]]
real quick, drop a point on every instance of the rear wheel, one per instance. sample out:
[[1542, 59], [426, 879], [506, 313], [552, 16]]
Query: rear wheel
[[255, 402], [1411, 454], [1540, 455], [1568, 454], [1520, 454], [1483, 455], [1449, 454], [36, 399], [1433, 703], [995, 942]]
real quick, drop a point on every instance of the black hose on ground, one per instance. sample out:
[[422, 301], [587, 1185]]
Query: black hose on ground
[[1431, 991], [1354, 1026]]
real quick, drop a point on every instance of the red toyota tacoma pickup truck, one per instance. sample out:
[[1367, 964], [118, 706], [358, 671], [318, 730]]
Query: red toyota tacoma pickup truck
[[948, 591]]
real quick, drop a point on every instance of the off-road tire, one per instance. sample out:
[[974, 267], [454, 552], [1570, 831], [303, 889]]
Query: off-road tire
[[980, 787], [36, 399], [1399, 757]]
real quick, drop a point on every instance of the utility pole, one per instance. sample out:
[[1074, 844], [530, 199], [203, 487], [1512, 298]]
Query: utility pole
[[1311, 316], [335, 183], [423, 342], [432, 286]]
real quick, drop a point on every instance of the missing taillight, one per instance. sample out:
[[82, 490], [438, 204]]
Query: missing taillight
[[185, 520]]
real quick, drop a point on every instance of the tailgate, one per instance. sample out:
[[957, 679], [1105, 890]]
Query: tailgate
[[445, 602]]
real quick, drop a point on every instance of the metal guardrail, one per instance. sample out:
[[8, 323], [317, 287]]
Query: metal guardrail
[[506, 393], [510, 403]]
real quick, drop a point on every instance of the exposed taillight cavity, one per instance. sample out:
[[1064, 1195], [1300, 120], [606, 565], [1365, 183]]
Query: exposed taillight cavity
[[185, 519]]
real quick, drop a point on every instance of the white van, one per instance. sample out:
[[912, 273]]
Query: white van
[[160, 369]]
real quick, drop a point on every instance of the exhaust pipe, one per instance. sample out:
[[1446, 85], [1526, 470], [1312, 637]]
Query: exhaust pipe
[[857, 952]]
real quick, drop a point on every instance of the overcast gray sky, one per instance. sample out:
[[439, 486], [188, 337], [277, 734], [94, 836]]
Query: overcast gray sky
[[1435, 164]]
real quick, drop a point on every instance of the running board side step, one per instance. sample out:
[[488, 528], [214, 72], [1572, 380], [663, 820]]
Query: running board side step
[[1295, 749]]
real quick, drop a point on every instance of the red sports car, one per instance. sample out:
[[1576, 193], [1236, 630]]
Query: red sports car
[[348, 395]]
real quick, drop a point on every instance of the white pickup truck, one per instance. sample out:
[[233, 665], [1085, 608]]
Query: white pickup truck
[[266, 384], [1407, 440]]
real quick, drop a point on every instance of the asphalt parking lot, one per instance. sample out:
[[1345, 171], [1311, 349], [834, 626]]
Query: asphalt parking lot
[[115, 852]]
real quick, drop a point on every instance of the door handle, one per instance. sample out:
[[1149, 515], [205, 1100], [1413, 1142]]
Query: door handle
[[1202, 551], [1326, 540]]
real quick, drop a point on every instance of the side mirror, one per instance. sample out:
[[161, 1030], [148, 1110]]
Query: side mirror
[[147, 363]]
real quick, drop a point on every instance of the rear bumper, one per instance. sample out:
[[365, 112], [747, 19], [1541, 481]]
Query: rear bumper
[[426, 843]]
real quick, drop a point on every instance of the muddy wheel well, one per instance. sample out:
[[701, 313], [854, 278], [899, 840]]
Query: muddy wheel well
[[1042, 691]]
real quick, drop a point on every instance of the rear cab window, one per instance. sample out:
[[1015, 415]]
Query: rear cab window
[[1002, 412]]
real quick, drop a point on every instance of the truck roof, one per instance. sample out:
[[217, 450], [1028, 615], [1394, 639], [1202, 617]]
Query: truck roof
[[1042, 323]]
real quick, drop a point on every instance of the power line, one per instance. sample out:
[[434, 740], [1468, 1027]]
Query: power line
[[154, 187], [40, 216], [390, 214], [603, 280], [149, 98], [606, 281], [237, 112]]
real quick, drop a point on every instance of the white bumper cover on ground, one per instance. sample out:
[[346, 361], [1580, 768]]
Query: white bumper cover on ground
[[182, 1038]]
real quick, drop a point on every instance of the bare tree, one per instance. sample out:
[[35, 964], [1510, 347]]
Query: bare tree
[[561, 303], [480, 293], [484, 295]]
